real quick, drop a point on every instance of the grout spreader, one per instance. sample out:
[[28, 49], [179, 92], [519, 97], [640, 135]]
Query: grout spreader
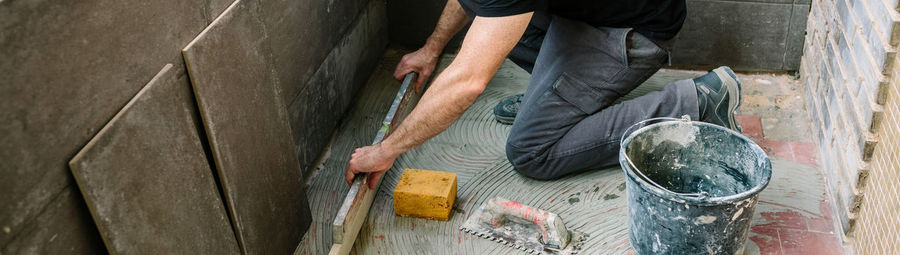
[[530, 229]]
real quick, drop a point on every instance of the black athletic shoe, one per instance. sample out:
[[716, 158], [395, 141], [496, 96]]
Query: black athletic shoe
[[505, 111], [719, 96]]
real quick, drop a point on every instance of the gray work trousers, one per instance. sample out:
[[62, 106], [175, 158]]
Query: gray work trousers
[[566, 122]]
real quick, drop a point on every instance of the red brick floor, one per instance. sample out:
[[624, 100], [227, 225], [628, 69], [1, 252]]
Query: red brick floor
[[782, 226], [803, 152]]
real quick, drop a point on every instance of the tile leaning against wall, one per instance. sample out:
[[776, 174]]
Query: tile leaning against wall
[[147, 180], [232, 72], [68, 68]]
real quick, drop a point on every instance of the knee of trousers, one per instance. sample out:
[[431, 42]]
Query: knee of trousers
[[527, 164]]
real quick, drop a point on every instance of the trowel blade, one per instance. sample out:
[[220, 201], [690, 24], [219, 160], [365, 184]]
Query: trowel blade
[[519, 235]]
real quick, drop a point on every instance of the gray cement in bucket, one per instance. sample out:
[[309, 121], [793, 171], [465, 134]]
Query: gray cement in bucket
[[692, 188]]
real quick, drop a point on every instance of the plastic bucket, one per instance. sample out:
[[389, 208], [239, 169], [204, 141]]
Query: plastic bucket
[[692, 187]]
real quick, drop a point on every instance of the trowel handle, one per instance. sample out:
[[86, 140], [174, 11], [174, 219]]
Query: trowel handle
[[553, 232]]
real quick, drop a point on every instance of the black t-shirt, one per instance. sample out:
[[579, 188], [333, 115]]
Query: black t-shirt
[[657, 19]]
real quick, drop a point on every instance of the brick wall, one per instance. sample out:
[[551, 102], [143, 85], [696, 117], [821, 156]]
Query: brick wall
[[849, 66], [877, 229]]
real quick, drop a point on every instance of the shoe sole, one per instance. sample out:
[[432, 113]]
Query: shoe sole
[[734, 96], [505, 120]]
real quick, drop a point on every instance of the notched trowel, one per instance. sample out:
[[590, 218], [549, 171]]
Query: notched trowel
[[524, 227]]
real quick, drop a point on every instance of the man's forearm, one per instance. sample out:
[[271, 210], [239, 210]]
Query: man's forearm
[[452, 19], [455, 89], [445, 100]]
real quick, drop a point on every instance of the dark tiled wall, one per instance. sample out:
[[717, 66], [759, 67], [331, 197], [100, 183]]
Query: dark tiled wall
[[317, 107], [68, 67], [747, 35]]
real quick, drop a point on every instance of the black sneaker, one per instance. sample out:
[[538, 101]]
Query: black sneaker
[[719, 97], [505, 111]]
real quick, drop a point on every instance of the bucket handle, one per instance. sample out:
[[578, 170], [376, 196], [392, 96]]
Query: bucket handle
[[628, 131]]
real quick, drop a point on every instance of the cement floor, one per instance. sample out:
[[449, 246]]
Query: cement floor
[[793, 216]]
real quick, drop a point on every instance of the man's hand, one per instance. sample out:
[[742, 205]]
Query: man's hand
[[422, 62], [370, 159], [485, 47]]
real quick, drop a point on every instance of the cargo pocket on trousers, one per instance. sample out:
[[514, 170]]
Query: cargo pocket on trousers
[[577, 93]]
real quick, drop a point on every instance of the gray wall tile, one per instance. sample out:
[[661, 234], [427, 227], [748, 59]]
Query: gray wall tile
[[747, 36], [795, 37], [317, 110], [302, 33], [246, 122], [147, 180], [68, 68], [59, 229]]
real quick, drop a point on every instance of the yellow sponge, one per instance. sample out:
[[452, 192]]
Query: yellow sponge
[[425, 194]]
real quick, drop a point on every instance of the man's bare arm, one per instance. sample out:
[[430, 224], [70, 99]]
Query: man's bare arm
[[422, 61], [485, 47], [487, 43]]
